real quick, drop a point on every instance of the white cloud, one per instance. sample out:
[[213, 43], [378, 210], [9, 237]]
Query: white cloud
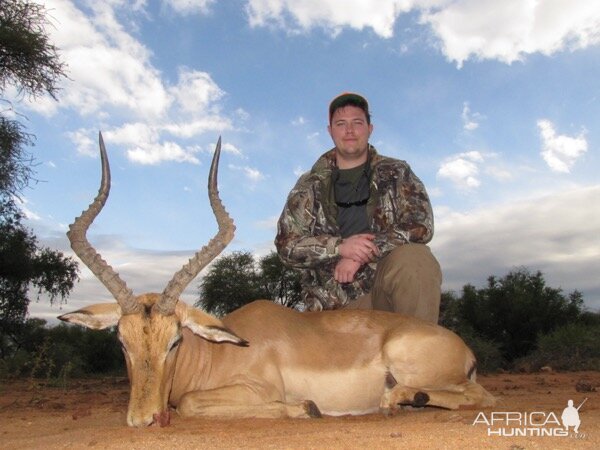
[[470, 120], [560, 151], [242, 114], [190, 127], [508, 30], [462, 169], [144, 145], [155, 153], [254, 175], [302, 15], [535, 232], [131, 134], [83, 142], [299, 121], [107, 67], [111, 76], [230, 148], [196, 92], [23, 206], [190, 6], [480, 29]]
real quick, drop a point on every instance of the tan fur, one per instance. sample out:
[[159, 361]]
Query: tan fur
[[337, 359]]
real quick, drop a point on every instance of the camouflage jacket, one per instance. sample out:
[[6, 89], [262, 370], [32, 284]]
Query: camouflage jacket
[[308, 234]]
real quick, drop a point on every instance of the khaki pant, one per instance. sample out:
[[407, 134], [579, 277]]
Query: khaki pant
[[407, 281]]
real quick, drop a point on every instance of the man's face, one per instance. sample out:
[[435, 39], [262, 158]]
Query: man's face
[[350, 133]]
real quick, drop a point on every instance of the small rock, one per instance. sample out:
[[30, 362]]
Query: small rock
[[583, 386], [78, 414]]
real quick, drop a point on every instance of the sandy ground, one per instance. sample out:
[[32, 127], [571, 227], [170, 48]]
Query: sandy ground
[[91, 414]]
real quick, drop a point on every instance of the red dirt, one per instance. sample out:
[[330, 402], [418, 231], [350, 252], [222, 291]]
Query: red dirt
[[91, 414]]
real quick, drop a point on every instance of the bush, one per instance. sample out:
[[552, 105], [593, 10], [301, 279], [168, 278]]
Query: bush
[[575, 346], [61, 352], [488, 353]]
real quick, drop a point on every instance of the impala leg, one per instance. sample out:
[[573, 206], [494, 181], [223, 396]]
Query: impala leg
[[243, 401], [450, 397]]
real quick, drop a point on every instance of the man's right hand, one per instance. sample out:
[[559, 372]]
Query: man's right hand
[[359, 247], [345, 270]]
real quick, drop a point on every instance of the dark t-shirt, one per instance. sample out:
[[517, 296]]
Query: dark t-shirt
[[351, 188]]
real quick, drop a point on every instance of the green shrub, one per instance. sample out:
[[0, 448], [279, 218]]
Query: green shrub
[[488, 353], [575, 346]]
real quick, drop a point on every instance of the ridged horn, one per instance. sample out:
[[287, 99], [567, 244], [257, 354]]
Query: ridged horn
[[188, 272], [92, 259]]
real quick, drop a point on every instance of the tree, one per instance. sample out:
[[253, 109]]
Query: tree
[[231, 282], [281, 283], [15, 163], [511, 312], [25, 264], [29, 63], [236, 279], [28, 60]]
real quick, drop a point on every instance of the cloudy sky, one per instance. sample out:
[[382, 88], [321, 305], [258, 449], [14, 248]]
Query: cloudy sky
[[494, 104]]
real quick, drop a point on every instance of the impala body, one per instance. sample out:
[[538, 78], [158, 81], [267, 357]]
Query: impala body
[[264, 360]]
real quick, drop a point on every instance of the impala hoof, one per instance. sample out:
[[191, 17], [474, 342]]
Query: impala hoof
[[420, 399], [312, 410], [388, 412]]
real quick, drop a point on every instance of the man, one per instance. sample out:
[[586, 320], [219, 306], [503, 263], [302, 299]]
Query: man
[[356, 225]]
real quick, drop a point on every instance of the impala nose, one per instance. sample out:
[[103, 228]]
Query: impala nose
[[161, 419], [139, 421]]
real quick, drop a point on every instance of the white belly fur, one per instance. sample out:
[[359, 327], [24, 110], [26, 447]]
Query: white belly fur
[[354, 391]]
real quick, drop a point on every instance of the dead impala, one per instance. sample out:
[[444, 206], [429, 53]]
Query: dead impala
[[285, 364]]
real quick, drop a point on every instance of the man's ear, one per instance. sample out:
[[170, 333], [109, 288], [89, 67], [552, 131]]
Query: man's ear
[[207, 326], [96, 317]]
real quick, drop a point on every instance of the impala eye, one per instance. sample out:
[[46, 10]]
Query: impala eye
[[175, 343]]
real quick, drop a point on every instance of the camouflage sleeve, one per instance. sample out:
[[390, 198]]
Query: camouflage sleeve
[[296, 243], [407, 202]]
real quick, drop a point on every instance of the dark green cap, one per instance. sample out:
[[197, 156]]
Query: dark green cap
[[349, 98]]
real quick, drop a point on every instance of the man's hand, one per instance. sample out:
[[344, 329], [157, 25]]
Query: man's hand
[[345, 270], [359, 247]]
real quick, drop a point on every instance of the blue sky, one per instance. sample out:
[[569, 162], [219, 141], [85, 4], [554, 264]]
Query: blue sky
[[495, 105]]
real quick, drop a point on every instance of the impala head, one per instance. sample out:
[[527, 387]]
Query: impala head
[[149, 325]]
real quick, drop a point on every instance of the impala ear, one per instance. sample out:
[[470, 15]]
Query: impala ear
[[207, 326], [97, 317]]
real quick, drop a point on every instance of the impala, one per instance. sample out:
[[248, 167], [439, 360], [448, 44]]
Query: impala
[[264, 360]]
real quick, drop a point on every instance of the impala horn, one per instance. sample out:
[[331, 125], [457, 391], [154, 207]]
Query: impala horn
[[201, 259], [92, 259]]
